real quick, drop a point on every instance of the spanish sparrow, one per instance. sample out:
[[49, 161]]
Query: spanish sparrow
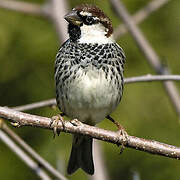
[[89, 77]]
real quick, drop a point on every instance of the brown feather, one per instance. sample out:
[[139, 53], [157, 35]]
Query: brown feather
[[95, 11]]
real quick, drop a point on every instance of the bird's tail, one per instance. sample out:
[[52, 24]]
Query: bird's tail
[[81, 155]]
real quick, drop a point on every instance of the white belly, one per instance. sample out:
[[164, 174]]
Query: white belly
[[91, 97]]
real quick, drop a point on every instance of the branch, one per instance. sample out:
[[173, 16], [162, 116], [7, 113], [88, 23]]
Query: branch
[[144, 78], [33, 9], [43, 163], [31, 163], [24, 7], [148, 51], [150, 78], [154, 147], [140, 15], [101, 168], [49, 102], [58, 9]]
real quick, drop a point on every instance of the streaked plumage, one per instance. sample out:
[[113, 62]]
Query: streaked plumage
[[89, 77]]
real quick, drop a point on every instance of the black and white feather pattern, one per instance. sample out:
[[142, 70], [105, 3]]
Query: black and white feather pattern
[[101, 66]]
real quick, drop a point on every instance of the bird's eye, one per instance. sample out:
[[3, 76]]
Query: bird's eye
[[89, 20]]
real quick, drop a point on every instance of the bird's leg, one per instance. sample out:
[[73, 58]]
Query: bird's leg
[[121, 132], [55, 120]]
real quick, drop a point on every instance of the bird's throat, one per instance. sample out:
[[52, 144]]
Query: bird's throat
[[74, 32]]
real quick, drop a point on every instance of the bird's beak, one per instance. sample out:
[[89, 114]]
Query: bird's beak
[[73, 18]]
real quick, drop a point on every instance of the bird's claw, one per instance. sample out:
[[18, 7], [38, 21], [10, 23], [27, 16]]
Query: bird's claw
[[76, 122], [121, 132], [54, 122]]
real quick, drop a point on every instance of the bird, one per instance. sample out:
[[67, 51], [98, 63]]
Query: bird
[[88, 77]]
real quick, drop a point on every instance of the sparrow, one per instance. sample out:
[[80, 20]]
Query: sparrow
[[89, 77]]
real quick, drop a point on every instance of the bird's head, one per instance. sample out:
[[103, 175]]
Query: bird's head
[[89, 24]]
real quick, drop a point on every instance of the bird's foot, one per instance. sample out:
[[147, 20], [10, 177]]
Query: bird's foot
[[76, 122], [121, 131], [54, 121]]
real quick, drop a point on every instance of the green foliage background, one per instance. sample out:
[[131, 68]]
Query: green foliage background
[[28, 46]]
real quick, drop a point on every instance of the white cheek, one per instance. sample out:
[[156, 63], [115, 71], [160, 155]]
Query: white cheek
[[94, 34]]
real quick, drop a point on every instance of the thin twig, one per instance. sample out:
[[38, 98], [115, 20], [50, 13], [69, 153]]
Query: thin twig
[[101, 169], [144, 78], [140, 15], [58, 9], [143, 44], [148, 51], [135, 175], [150, 78], [33, 9], [44, 164], [24, 7], [49, 102], [151, 146], [31, 163]]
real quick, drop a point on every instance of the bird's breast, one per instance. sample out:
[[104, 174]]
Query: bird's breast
[[90, 89], [92, 95]]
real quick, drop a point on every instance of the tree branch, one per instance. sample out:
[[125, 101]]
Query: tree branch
[[144, 78], [42, 162], [49, 102], [58, 9], [101, 169], [140, 15], [148, 52], [150, 78], [24, 7], [154, 147], [33, 9], [31, 163]]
